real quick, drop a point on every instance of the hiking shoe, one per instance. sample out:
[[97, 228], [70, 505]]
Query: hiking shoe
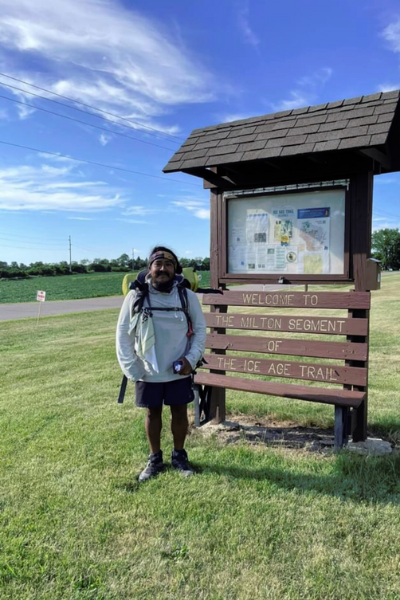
[[179, 461], [155, 466]]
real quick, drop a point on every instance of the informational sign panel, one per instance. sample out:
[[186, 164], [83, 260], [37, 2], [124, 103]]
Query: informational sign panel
[[40, 296], [294, 233]]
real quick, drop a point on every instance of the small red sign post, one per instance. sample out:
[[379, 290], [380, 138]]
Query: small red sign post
[[40, 297]]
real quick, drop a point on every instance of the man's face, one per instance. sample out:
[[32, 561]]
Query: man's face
[[162, 272]]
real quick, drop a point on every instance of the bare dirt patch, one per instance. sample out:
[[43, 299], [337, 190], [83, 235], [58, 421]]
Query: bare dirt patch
[[271, 433]]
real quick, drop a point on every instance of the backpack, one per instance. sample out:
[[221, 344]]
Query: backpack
[[187, 280], [142, 292]]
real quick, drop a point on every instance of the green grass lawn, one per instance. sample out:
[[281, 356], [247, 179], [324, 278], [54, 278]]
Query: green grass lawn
[[255, 523], [68, 287]]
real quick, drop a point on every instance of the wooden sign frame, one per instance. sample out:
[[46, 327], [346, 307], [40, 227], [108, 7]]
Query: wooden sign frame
[[358, 229], [354, 217], [227, 277]]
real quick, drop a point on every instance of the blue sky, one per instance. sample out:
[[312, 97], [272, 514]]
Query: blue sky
[[165, 68]]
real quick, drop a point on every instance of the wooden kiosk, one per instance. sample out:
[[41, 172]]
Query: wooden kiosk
[[291, 203]]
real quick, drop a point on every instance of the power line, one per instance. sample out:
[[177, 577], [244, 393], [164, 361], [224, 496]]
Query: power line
[[25, 248], [97, 164], [50, 112], [19, 237], [83, 104], [22, 240], [386, 214]]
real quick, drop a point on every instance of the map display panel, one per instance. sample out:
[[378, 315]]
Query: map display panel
[[294, 233]]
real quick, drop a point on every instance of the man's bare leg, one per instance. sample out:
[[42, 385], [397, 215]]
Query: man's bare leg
[[179, 424], [153, 424]]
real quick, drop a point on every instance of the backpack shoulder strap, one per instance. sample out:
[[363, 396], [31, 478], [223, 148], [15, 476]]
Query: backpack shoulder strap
[[142, 292], [182, 291]]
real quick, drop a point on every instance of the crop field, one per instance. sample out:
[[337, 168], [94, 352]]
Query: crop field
[[68, 287], [256, 522]]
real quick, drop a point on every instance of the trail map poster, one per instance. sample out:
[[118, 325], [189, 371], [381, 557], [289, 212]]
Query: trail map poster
[[300, 233]]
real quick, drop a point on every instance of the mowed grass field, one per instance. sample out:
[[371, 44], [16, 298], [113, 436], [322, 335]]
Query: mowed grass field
[[68, 287], [255, 523]]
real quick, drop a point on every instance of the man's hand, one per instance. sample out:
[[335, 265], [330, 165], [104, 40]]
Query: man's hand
[[186, 366]]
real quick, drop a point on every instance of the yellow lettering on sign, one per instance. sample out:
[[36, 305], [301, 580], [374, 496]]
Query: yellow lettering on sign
[[332, 325], [279, 299], [274, 324], [310, 300], [229, 363], [273, 346], [318, 373], [247, 298], [282, 369], [252, 366], [316, 325]]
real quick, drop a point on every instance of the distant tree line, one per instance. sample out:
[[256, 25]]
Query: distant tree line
[[124, 263], [386, 248]]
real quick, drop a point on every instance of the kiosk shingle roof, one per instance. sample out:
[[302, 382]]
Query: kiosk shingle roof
[[355, 123]]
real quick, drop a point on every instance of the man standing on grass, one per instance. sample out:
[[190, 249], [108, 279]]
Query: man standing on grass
[[158, 346]]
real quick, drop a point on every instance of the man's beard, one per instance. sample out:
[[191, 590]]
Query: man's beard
[[163, 286]]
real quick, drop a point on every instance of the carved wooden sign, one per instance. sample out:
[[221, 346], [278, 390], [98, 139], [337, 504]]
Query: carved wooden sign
[[294, 324], [296, 370], [345, 300], [265, 345]]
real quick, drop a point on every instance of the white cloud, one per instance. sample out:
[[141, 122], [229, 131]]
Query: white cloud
[[385, 221], [48, 188], [243, 20], [385, 180], [196, 207], [388, 87], [80, 219], [105, 139], [132, 221], [101, 53], [234, 117], [307, 90], [189, 252], [203, 213], [392, 35], [317, 78], [138, 211], [296, 100]]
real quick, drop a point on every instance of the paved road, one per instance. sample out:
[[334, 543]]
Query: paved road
[[25, 310]]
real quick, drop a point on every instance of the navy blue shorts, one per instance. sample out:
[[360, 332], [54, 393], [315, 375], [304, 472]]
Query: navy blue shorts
[[153, 395]]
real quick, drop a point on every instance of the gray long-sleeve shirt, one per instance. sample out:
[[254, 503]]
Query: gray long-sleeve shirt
[[171, 341]]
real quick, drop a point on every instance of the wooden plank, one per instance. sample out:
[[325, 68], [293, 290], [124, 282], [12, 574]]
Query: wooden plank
[[217, 402], [341, 429], [266, 345], [211, 177], [288, 369], [337, 397], [294, 324], [279, 299], [361, 189]]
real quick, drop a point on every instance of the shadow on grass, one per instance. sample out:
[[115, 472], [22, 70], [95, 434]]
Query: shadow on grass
[[356, 478]]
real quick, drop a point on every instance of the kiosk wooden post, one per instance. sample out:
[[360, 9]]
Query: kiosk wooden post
[[314, 159]]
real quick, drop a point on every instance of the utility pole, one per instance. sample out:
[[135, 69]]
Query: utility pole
[[70, 262]]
